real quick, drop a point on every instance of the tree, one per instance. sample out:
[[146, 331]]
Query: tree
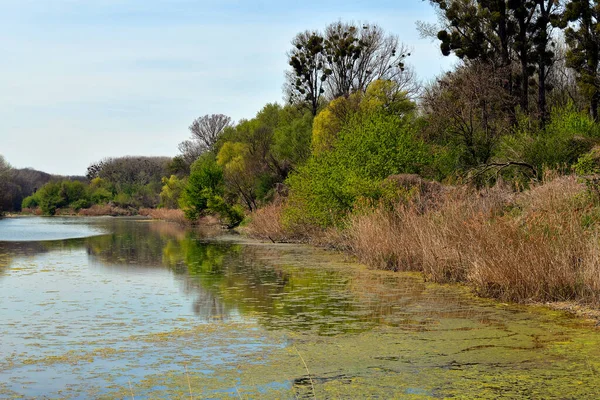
[[171, 191], [126, 172], [583, 54], [205, 181], [466, 110], [548, 15], [343, 60], [205, 134], [239, 171], [206, 129], [309, 70], [358, 55], [502, 34], [5, 182]]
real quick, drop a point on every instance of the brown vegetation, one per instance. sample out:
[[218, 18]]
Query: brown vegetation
[[165, 214], [105, 209], [537, 245]]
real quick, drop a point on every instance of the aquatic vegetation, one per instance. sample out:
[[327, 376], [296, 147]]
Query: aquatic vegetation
[[152, 312]]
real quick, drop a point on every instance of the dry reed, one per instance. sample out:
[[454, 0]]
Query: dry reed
[[533, 246], [165, 214]]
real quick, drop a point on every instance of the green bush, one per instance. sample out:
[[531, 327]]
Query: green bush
[[205, 181], [32, 201], [368, 149], [568, 136], [100, 195], [79, 204], [589, 163]]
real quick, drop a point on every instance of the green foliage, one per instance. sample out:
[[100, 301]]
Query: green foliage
[[79, 204], [100, 195], [205, 182], [50, 198], [292, 136], [171, 191], [32, 201], [368, 149], [232, 215], [568, 135], [589, 163]]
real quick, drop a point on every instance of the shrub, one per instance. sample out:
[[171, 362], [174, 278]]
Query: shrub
[[205, 181], [79, 204], [568, 136], [539, 245], [31, 202], [367, 150]]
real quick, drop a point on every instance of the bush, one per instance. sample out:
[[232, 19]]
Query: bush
[[368, 149], [568, 136], [31, 202], [589, 163], [100, 195], [205, 181], [79, 204]]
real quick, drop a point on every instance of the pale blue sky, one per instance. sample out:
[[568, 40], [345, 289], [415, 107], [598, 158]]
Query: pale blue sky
[[85, 79]]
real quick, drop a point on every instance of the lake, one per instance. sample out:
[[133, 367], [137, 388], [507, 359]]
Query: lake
[[131, 308]]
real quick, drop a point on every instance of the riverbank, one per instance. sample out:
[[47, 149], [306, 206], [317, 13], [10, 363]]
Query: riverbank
[[107, 210], [535, 246]]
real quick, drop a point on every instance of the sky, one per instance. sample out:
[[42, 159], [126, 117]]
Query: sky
[[81, 80]]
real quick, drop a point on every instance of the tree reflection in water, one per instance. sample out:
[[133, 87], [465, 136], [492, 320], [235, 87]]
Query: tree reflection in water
[[278, 286]]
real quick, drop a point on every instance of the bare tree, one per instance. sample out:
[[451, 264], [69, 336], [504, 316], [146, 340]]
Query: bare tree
[[207, 129], [191, 150], [205, 133], [563, 81], [468, 107], [360, 54]]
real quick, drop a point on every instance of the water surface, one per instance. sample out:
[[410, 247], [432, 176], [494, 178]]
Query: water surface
[[151, 310]]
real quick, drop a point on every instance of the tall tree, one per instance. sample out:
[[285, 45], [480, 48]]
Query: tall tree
[[583, 41], [309, 71], [509, 35], [548, 15], [207, 129], [347, 58], [360, 54], [205, 133]]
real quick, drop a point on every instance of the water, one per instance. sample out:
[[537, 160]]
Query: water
[[121, 307]]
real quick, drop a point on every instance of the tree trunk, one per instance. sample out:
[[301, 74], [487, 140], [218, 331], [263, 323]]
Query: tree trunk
[[542, 94], [594, 105]]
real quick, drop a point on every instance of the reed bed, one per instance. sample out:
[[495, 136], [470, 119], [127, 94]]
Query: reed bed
[[165, 214], [539, 245]]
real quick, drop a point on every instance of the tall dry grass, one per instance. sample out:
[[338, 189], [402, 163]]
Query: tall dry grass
[[538, 245], [267, 224], [165, 214], [105, 210]]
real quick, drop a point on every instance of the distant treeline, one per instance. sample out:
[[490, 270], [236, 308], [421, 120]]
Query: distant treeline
[[17, 184]]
